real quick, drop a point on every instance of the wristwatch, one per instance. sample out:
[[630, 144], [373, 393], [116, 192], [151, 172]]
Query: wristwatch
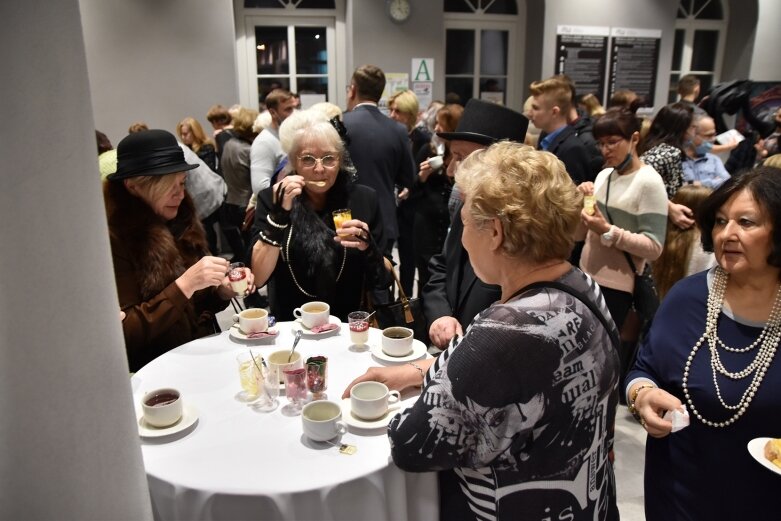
[[609, 236]]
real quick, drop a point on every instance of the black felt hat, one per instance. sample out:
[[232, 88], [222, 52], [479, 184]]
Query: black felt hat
[[486, 123], [149, 152]]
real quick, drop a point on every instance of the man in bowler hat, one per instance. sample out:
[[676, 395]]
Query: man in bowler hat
[[454, 294]]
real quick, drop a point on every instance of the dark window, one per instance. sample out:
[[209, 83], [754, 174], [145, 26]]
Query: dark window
[[481, 6], [283, 4], [272, 50], [311, 54]]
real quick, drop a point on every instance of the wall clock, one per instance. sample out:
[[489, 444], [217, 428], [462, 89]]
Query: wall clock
[[399, 10]]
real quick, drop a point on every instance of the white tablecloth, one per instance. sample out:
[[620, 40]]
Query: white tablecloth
[[237, 463]]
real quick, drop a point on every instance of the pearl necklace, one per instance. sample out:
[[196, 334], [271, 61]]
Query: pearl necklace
[[767, 342], [290, 266]]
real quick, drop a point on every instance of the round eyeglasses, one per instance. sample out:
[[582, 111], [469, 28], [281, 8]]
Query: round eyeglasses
[[311, 161]]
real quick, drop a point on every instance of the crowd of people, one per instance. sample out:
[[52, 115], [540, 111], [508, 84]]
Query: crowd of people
[[528, 262]]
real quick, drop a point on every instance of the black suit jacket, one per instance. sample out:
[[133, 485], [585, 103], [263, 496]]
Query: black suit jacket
[[379, 148], [568, 147], [453, 289]]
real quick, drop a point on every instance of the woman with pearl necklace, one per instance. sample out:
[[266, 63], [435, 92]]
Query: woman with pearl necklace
[[711, 355]]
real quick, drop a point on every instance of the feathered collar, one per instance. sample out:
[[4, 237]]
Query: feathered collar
[[159, 251]]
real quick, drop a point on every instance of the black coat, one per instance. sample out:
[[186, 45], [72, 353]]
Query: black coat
[[379, 148], [453, 288], [569, 148]]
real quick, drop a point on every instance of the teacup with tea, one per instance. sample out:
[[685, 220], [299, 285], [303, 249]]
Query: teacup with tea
[[313, 314], [397, 341], [162, 407], [253, 320]]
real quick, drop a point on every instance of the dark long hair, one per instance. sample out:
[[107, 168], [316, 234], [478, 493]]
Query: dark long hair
[[669, 126], [616, 121]]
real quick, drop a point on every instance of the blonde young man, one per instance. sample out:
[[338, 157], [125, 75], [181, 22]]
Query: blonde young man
[[551, 103]]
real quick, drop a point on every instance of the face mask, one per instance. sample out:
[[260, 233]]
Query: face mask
[[625, 163], [703, 148]]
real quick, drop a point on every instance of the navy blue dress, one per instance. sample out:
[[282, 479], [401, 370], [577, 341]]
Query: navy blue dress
[[706, 473]]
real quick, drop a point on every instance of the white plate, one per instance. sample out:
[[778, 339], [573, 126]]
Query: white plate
[[189, 416], [238, 334], [756, 448], [418, 351], [297, 325], [354, 421]]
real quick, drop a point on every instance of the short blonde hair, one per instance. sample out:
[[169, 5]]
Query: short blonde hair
[[531, 194], [330, 110], [406, 102], [556, 90], [153, 187], [774, 161]]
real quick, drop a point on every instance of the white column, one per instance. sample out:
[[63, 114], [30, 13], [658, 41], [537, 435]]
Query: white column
[[70, 447], [764, 58]]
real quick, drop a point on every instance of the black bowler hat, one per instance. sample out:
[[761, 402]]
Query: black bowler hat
[[149, 152], [486, 123]]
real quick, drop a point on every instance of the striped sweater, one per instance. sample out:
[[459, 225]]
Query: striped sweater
[[638, 208]]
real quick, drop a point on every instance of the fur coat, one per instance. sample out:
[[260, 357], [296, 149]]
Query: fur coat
[[149, 254]]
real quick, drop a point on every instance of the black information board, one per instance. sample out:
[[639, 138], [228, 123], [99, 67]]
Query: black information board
[[583, 57], [633, 65]]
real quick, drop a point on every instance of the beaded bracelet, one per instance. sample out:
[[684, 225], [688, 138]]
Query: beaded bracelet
[[267, 240], [275, 225], [633, 399], [420, 369]]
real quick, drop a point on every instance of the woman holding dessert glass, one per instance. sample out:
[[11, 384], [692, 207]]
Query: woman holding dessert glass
[[711, 349], [168, 285], [297, 250]]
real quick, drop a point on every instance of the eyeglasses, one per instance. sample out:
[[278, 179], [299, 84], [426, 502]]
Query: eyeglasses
[[311, 161], [609, 144]]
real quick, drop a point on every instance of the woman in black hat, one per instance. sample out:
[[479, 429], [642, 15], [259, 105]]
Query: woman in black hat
[[168, 285]]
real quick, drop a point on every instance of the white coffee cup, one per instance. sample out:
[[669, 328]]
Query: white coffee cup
[[278, 362], [397, 341], [436, 162], [162, 407], [370, 400], [313, 314], [322, 420], [253, 320]]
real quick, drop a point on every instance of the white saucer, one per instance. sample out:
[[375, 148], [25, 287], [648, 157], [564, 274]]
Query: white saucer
[[297, 325], [756, 448], [238, 334], [418, 351], [354, 421], [189, 416]]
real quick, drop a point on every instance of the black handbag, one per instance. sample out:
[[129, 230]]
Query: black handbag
[[645, 298], [404, 312]]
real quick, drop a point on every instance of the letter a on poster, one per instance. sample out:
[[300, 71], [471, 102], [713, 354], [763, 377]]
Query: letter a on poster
[[422, 69]]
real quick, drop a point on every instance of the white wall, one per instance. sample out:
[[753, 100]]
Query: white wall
[[158, 61], [637, 14], [764, 61], [70, 446]]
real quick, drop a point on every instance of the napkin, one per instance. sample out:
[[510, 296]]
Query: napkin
[[324, 328], [263, 334], [680, 420]]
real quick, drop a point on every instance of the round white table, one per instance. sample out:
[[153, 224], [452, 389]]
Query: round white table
[[239, 463]]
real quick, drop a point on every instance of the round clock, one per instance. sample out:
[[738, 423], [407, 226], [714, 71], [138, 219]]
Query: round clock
[[399, 10]]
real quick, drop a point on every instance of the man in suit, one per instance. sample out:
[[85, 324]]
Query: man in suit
[[454, 294], [379, 146], [551, 103]]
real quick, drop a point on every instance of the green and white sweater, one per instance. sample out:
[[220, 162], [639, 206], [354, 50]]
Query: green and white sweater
[[638, 209]]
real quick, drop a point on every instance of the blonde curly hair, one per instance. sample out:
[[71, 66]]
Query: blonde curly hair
[[530, 192]]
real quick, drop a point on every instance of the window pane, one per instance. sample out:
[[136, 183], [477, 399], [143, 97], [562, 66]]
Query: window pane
[[305, 4], [672, 92], [678, 49], [457, 6], [311, 55], [712, 9], [493, 52], [706, 82], [704, 50], [493, 85], [501, 7], [313, 86], [460, 51], [266, 85], [272, 52], [460, 86]]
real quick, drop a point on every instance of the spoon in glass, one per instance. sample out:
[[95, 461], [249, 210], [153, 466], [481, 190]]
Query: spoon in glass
[[295, 343]]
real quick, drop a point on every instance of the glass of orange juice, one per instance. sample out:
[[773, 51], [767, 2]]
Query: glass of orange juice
[[340, 217]]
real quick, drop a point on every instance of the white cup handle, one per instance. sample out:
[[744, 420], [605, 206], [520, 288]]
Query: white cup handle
[[341, 428], [393, 397], [297, 312], [235, 318]]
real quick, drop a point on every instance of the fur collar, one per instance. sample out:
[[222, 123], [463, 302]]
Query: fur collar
[[159, 251]]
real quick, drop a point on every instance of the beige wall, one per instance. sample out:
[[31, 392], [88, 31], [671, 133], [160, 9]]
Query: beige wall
[[158, 61]]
